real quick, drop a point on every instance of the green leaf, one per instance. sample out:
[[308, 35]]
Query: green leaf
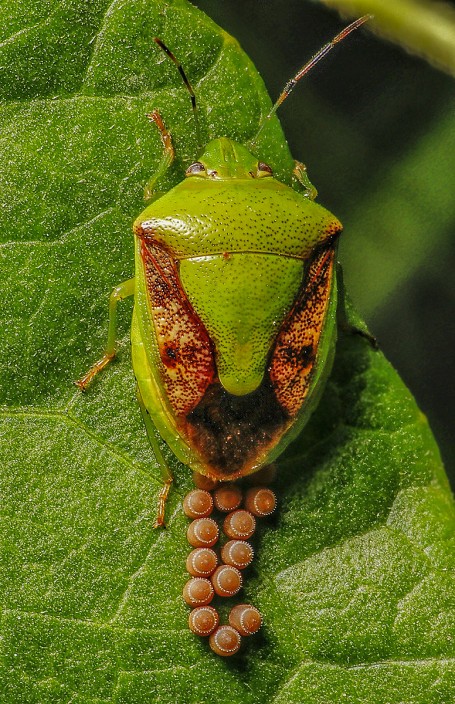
[[354, 576]]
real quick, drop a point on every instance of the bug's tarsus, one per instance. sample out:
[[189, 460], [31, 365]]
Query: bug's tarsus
[[188, 85], [290, 85], [300, 173], [162, 498], [350, 329], [353, 330], [85, 381], [343, 321], [155, 118]]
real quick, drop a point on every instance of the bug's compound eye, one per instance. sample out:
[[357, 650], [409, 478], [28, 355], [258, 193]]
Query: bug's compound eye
[[196, 169], [263, 170]]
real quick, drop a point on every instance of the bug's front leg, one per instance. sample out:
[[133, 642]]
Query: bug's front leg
[[120, 292], [166, 473], [168, 154], [301, 176]]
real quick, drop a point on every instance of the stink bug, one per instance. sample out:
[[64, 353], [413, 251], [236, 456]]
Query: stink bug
[[234, 319]]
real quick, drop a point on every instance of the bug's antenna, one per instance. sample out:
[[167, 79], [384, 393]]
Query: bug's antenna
[[290, 85], [167, 51]]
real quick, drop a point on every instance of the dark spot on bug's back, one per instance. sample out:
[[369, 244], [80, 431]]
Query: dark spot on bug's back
[[230, 430], [170, 356], [300, 357], [305, 356]]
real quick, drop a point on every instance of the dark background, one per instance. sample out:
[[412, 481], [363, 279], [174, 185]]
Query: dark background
[[356, 122]]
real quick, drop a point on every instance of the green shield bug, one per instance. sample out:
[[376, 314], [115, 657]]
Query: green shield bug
[[235, 291], [233, 335]]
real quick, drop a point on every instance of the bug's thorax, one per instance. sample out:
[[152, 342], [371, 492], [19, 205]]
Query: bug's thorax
[[230, 202]]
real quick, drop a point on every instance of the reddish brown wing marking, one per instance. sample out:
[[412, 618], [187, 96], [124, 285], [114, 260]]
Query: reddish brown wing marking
[[296, 346], [184, 345]]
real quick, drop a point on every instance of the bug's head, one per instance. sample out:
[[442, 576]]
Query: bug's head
[[224, 159]]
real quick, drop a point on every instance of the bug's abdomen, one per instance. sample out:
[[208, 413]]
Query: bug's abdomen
[[229, 435], [234, 433]]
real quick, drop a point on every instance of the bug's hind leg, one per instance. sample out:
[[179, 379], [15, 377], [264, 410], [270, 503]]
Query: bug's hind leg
[[342, 316], [166, 473]]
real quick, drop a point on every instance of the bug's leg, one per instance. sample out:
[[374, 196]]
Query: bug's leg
[[342, 315], [166, 473], [120, 292], [301, 175], [168, 153]]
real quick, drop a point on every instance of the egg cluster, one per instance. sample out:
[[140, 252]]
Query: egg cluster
[[220, 573]]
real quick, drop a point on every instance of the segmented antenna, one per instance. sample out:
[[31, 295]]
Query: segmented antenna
[[188, 85], [290, 85]]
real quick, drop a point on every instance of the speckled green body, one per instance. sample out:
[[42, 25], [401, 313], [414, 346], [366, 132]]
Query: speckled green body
[[240, 242]]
